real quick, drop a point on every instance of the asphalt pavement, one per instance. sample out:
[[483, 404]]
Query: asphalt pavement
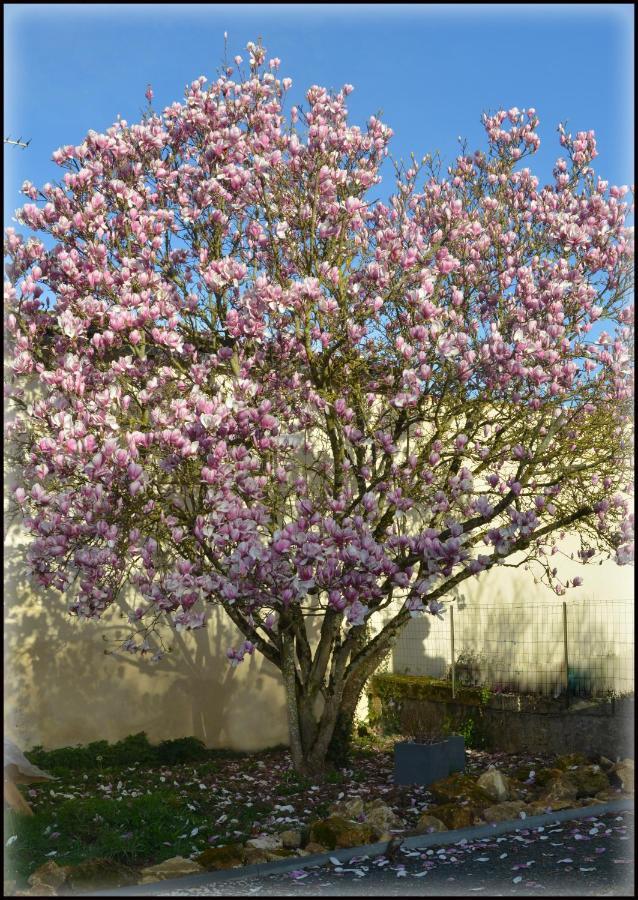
[[592, 856]]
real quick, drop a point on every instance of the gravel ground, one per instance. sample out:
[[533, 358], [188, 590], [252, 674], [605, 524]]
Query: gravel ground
[[581, 857]]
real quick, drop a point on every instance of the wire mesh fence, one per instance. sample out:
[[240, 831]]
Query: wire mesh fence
[[574, 649]]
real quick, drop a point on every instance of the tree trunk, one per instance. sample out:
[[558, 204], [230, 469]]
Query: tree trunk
[[318, 741], [292, 703]]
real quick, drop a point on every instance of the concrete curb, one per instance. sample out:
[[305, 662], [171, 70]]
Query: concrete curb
[[434, 839]]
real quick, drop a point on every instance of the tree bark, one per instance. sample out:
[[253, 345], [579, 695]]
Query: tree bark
[[319, 740], [289, 674]]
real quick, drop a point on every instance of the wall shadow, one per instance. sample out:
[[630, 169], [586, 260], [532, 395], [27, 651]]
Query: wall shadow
[[509, 637], [61, 688]]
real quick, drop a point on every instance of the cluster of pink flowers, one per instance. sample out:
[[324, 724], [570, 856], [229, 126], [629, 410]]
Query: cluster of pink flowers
[[237, 377]]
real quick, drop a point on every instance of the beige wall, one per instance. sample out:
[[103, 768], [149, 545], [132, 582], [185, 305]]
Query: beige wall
[[517, 628], [61, 689]]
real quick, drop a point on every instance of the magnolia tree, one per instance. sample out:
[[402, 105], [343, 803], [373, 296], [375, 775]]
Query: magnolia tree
[[259, 386]]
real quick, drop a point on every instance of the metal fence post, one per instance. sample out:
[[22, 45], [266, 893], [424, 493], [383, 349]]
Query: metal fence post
[[452, 650], [565, 654]]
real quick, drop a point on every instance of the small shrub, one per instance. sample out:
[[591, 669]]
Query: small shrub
[[181, 750], [133, 749], [472, 733], [334, 777]]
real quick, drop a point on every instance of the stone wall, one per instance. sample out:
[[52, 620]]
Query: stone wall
[[508, 722]]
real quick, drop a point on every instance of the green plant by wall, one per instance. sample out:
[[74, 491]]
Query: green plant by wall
[[391, 718], [467, 731], [473, 732], [389, 691], [135, 748]]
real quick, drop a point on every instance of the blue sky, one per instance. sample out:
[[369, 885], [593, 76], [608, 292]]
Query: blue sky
[[431, 69]]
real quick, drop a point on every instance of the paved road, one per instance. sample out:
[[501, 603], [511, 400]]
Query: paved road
[[585, 857]]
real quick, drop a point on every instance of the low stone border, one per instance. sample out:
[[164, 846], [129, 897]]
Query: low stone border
[[433, 839], [514, 723]]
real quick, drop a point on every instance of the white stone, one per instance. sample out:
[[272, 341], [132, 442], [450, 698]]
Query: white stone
[[625, 772], [495, 785], [383, 818], [170, 868], [265, 842], [350, 809]]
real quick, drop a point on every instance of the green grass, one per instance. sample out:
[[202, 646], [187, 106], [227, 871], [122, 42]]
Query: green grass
[[136, 831], [292, 784], [335, 777], [138, 804], [148, 814]]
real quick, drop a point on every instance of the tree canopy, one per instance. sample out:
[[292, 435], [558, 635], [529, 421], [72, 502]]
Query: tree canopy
[[259, 385]]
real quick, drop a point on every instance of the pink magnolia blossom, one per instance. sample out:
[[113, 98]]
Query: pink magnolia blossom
[[260, 386]]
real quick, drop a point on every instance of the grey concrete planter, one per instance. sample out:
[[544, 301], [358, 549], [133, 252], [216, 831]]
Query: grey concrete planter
[[426, 763], [456, 751]]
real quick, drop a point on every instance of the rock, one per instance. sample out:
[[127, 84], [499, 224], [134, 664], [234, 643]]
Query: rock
[[279, 853], [562, 804], [174, 867], [541, 806], [571, 784], [545, 776], [40, 889], [374, 804], [37, 890], [253, 856], [560, 791], [383, 818], [588, 780], [503, 812], [605, 764], [559, 785], [265, 842], [570, 759], [50, 874], [495, 784], [337, 832], [428, 823], [454, 816], [228, 857], [622, 775], [315, 847], [349, 809], [385, 836], [291, 839], [518, 790], [459, 787], [605, 796], [99, 874]]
